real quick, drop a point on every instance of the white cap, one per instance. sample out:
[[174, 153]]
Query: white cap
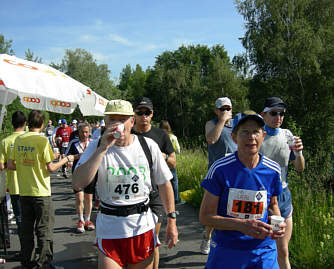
[[74, 121], [223, 101], [102, 123]]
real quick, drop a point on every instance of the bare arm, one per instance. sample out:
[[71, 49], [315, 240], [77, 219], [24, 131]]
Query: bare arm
[[85, 173], [171, 161], [274, 210], [167, 197], [212, 131], [208, 216], [2, 166], [54, 166], [273, 206], [11, 165], [299, 162]]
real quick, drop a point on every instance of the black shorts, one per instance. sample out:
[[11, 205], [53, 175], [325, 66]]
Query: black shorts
[[156, 205], [89, 189]]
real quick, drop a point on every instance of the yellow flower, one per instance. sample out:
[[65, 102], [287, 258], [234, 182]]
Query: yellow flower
[[322, 244]]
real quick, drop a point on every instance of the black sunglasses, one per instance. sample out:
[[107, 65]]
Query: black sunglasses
[[146, 113], [223, 109], [275, 113]]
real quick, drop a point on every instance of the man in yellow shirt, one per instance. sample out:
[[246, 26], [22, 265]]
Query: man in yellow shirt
[[32, 158], [19, 121]]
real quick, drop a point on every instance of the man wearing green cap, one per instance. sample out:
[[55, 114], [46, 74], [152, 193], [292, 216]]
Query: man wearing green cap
[[124, 183]]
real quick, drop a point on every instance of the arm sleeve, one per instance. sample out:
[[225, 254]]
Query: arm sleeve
[[168, 146], [47, 152], [2, 152], [161, 171]]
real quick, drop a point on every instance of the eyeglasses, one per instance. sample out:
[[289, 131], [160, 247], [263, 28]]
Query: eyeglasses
[[226, 108], [275, 113], [246, 133], [146, 113]]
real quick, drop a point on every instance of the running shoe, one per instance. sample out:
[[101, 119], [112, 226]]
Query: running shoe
[[80, 227], [205, 245], [89, 226]]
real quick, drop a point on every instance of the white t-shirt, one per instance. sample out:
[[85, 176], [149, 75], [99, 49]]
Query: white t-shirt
[[124, 179]]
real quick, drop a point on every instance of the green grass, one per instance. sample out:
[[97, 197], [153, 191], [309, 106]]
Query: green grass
[[192, 166], [312, 241]]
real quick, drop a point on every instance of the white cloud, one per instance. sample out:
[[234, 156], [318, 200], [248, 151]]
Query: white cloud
[[87, 38], [101, 57], [184, 42], [119, 39]]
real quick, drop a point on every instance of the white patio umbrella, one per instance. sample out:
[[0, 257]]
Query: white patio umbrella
[[42, 87]]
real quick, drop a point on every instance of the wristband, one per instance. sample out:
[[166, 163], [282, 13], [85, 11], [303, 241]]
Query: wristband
[[67, 158], [298, 153]]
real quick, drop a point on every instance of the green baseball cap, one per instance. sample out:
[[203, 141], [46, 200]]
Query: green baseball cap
[[119, 107]]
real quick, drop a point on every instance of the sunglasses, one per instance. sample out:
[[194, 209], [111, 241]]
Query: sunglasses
[[146, 113], [223, 109], [275, 113]]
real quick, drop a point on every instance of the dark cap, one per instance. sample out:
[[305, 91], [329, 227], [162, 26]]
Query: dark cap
[[243, 116], [273, 102], [143, 102]]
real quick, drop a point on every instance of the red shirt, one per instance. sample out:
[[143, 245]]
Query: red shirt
[[64, 133]]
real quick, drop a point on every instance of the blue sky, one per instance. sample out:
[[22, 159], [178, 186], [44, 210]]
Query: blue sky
[[119, 32]]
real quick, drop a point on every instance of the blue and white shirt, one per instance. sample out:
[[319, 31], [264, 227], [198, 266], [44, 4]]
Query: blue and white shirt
[[243, 193]]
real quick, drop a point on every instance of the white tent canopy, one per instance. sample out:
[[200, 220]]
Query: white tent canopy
[[42, 87]]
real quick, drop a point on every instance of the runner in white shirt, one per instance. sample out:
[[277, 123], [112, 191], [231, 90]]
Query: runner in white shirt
[[123, 185]]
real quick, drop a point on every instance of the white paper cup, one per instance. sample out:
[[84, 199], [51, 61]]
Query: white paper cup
[[118, 131], [276, 221], [56, 150], [291, 142]]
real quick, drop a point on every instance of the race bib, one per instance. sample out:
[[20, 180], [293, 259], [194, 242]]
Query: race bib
[[125, 187], [246, 204], [49, 132], [65, 144]]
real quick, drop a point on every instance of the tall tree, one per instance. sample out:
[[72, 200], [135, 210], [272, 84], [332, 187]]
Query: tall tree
[[132, 82], [30, 56], [290, 44], [6, 46], [185, 83]]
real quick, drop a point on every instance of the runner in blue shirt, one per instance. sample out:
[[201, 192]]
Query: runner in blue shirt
[[240, 190]]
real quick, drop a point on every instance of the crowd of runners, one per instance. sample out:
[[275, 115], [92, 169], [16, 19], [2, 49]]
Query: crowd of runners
[[126, 168]]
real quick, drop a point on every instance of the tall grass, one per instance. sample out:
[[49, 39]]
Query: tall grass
[[192, 165], [312, 242]]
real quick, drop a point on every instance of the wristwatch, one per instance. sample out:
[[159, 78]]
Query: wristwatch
[[172, 215], [166, 159]]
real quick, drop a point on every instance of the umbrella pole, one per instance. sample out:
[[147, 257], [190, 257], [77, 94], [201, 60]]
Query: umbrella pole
[[3, 108]]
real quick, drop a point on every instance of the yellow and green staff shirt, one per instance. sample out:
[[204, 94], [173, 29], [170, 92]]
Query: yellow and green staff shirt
[[6, 146], [31, 153]]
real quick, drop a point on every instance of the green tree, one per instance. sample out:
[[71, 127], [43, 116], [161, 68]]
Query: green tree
[[289, 43], [132, 82], [6, 46], [184, 84], [30, 56]]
